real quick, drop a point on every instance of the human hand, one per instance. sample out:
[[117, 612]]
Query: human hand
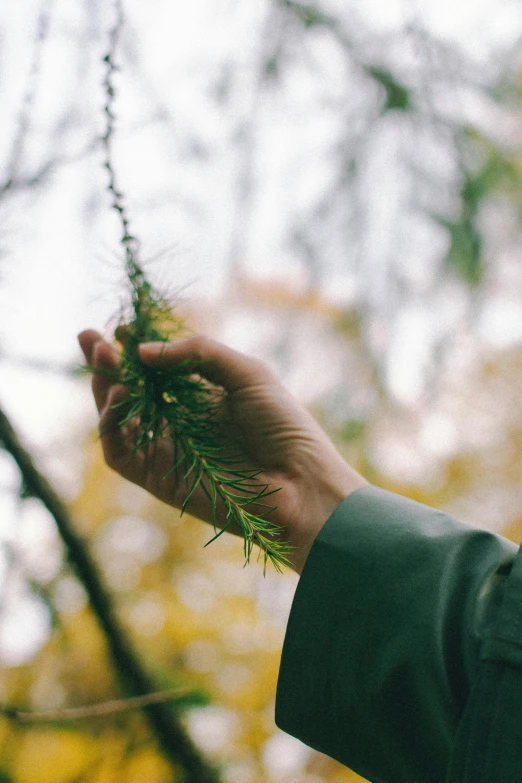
[[278, 436]]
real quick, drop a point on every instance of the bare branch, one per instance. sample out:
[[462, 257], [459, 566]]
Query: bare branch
[[101, 709], [14, 183], [24, 117]]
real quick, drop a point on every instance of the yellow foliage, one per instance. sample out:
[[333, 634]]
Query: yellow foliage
[[99, 499], [147, 766], [52, 756], [5, 729], [113, 749]]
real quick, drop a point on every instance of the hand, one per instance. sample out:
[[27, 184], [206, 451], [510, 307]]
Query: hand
[[280, 437]]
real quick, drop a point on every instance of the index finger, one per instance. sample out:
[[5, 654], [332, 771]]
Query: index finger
[[100, 356]]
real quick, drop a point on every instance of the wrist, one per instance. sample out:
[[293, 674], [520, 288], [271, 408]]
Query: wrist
[[316, 512]]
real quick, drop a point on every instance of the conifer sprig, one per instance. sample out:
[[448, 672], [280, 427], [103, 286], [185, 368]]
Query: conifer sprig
[[178, 404]]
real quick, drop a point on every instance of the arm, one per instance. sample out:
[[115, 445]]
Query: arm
[[384, 635]]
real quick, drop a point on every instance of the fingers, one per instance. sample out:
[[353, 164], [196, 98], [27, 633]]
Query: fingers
[[108, 395], [88, 339], [216, 362], [99, 355], [213, 360], [114, 440]]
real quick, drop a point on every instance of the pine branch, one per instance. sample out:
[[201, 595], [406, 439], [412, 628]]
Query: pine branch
[[174, 403], [171, 736]]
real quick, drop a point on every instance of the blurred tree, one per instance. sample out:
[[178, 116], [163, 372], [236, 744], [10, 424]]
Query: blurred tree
[[359, 192]]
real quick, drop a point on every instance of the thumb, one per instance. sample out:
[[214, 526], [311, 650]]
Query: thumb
[[213, 360]]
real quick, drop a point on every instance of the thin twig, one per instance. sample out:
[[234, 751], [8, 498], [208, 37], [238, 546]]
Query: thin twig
[[101, 709], [24, 118], [40, 175], [34, 364]]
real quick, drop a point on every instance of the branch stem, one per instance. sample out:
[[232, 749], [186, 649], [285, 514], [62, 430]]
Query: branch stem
[[112, 707]]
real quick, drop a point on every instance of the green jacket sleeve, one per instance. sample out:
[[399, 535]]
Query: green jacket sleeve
[[384, 635]]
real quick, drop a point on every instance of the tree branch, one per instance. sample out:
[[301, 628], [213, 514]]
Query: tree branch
[[24, 117], [172, 737], [101, 709]]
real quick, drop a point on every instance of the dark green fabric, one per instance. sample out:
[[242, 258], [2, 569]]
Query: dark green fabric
[[383, 640], [488, 745]]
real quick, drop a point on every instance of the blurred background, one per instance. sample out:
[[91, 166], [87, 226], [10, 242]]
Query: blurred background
[[333, 187]]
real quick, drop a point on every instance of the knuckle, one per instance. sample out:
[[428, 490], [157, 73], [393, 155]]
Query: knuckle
[[260, 364], [260, 368], [201, 346]]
